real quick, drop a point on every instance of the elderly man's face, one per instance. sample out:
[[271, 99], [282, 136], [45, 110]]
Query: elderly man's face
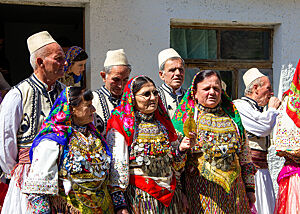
[[264, 92], [54, 62], [173, 74], [116, 79]]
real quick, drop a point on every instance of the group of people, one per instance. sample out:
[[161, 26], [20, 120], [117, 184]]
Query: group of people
[[132, 147]]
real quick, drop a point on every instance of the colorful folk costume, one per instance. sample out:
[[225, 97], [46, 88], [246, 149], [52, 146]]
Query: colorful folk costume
[[145, 153], [170, 99], [23, 111], [259, 125], [70, 166], [218, 170], [70, 79], [287, 143]]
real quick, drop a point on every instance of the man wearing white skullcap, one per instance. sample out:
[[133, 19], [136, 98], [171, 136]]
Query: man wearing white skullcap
[[115, 75], [258, 125], [171, 71], [24, 109]]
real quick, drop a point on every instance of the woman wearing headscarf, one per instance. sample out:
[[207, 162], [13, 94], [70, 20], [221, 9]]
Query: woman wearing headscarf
[[70, 160], [287, 143], [219, 173], [145, 152], [76, 59]]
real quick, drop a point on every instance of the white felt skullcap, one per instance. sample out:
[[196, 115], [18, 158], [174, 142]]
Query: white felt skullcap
[[38, 40], [115, 57], [251, 75], [166, 54]]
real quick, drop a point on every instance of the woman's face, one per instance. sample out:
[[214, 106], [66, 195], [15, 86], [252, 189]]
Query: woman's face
[[83, 113], [146, 99], [208, 92], [77, 67]]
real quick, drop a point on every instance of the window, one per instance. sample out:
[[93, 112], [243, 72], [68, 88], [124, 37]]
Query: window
[[230, 48]]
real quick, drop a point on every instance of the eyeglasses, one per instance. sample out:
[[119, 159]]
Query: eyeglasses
[[147, 94]]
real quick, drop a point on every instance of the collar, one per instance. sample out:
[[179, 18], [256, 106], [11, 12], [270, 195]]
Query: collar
[[81, 129], [113, 100], [167, 88], [253, 103], [207, 109], [41, 84]]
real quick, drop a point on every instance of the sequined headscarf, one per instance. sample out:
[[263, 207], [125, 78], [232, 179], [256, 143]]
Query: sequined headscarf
[[123, 118]]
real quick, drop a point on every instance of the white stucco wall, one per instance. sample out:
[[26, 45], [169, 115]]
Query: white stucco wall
[[142, 28]]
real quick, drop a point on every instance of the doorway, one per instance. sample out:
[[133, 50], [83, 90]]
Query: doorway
[[18, 22]]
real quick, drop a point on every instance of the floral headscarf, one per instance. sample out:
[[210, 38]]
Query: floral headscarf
[[293, 105], [123, 118], [57, 126], [188, 102]]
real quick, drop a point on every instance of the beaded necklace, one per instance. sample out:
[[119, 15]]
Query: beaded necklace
[[217, 137], [151, 148], [86, 165]]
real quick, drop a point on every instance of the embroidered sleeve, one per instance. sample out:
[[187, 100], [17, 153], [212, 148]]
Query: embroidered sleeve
[[247, 167], [179, 157], [178, 163], [119, 174], [43, 174]]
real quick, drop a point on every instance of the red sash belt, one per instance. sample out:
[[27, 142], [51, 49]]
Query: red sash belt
[[150, 186], [259, 159], [23, 157]]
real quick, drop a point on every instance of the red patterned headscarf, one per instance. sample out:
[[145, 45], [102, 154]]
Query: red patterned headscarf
[[123, 119], [293, 105]]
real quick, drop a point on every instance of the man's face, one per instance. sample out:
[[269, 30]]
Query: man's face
[[116, 79], [54, 62], [173, 74], [264, 92]]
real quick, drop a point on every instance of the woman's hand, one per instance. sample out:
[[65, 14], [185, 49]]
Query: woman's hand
[[187, 143], [251, 197], [123, 211]]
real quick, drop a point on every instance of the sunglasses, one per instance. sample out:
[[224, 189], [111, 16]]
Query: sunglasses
[[147, 94]]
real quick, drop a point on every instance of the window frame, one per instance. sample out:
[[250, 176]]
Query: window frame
[[233, 65]]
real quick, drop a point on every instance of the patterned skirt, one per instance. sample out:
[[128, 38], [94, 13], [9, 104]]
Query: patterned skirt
[[82, 203], [140, 202], [207, 197], [288, 199]]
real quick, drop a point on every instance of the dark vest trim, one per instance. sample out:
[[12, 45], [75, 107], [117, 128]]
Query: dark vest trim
[[30, 120], [163, 98], [104, 105]]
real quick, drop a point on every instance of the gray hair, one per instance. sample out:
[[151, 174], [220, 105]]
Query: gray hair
[[249, 88], [107, 69], [42, 52], [162, 66]]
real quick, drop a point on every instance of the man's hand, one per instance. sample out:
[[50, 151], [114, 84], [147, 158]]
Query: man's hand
[[274, 102]]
